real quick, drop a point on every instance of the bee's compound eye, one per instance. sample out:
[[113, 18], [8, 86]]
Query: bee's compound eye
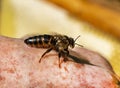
[[72, 42]]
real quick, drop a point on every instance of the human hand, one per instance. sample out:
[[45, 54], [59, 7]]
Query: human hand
[[20, 68]]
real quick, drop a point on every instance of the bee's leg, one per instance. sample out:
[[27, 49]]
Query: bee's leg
[[59, 55], [47, 51], [65, 54]]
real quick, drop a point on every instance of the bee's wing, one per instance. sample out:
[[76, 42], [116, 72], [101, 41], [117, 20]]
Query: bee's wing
[[36, 34], [55, 33], [29, 35], [32, 34]]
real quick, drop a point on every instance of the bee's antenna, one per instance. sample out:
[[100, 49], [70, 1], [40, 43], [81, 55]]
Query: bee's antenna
[[77, 38], [79, 45], [76, 43]]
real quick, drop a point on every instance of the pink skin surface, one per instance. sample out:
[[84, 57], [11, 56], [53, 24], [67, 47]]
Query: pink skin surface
[[20, 68]]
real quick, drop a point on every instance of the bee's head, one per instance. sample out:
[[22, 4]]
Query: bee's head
[[71, 42]]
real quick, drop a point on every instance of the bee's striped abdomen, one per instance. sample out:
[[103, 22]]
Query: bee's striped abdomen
[[41, 41]]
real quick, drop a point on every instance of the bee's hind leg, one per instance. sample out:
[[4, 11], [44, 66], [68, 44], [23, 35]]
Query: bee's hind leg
[[47, 51]]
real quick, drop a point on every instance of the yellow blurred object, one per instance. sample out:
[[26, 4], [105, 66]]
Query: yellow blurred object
[[103, 18], [22, 17], [7, 27]]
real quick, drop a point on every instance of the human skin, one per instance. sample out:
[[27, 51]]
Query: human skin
[[20, 68]]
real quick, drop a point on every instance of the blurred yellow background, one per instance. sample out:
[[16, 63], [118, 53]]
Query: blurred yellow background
[[24, 17]]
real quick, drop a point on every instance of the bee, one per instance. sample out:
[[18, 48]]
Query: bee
[[57, 42]]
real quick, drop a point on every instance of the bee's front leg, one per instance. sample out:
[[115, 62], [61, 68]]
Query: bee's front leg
[[59, 55], [65, 54]]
